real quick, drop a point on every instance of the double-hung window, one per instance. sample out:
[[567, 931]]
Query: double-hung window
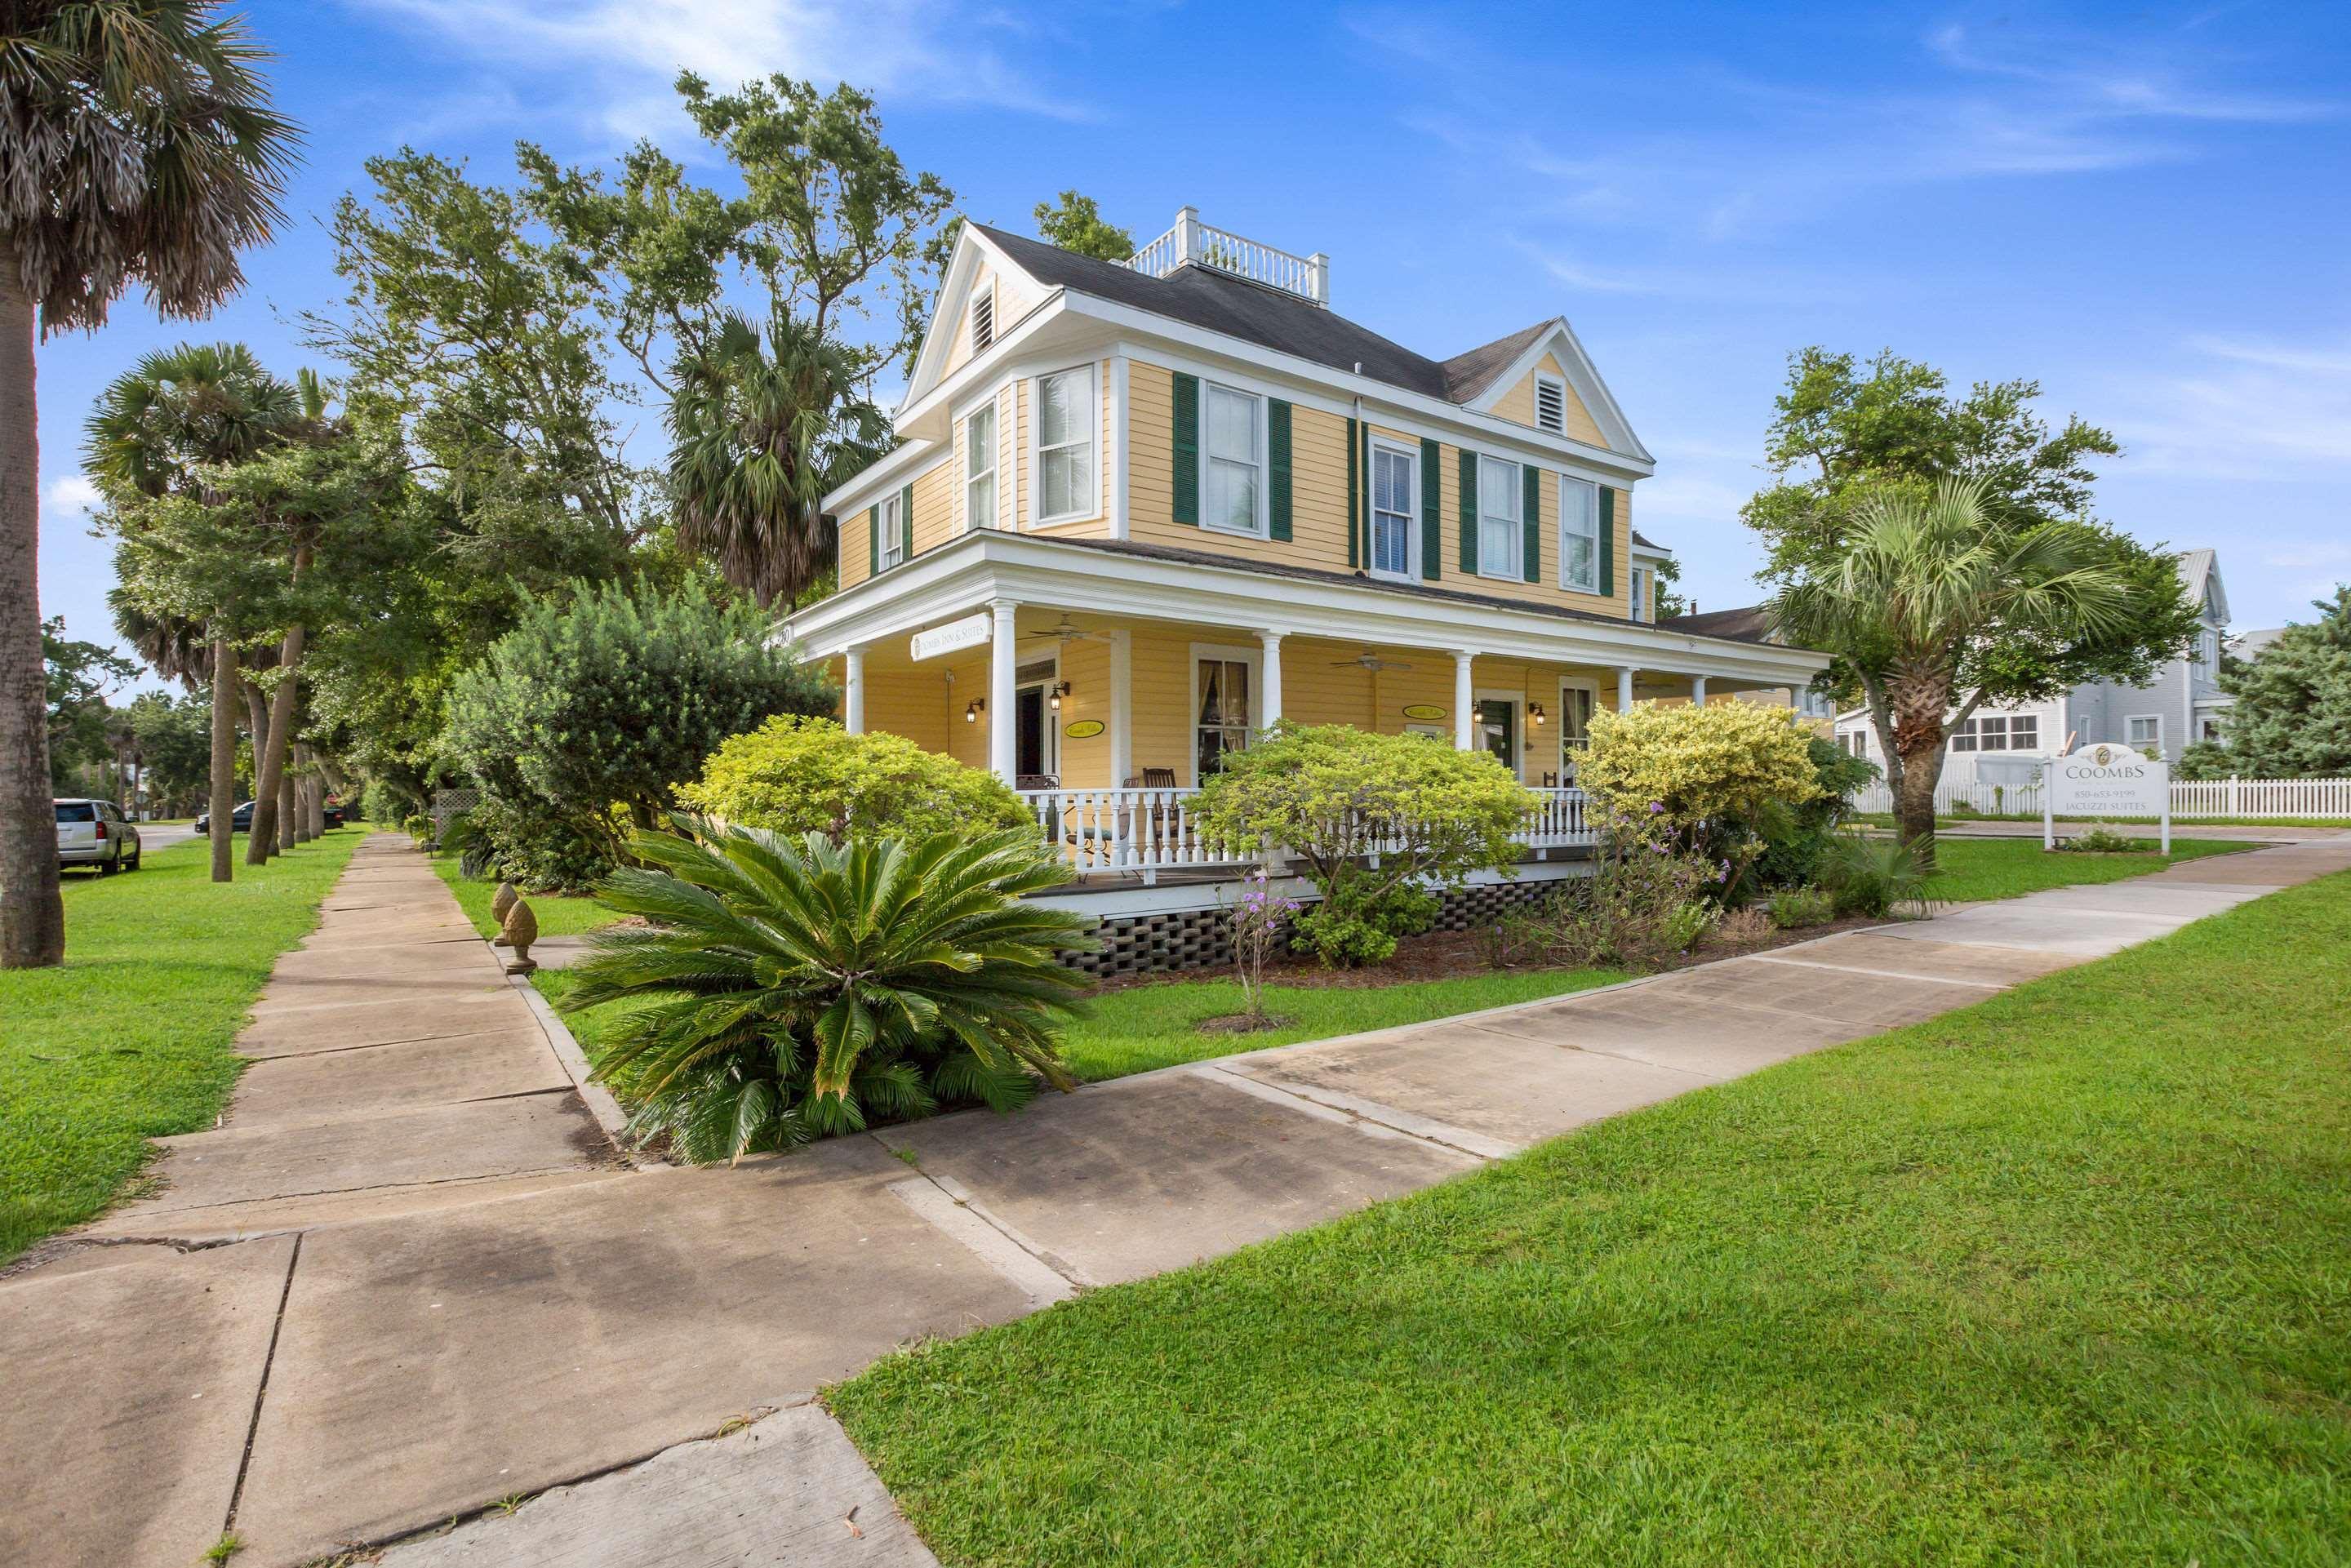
[[1579, 535], [1233, 421], [1392, 488], [893, 536], [979, 467], [1500, 537], [2144, 731], [1065, 446], [1639, 604]]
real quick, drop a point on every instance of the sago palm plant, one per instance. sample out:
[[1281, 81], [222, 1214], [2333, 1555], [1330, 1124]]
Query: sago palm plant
[[791, 987]]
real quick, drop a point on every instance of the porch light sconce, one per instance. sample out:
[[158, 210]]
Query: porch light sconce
[[1060, 692], [971, 710], [1534, 712]]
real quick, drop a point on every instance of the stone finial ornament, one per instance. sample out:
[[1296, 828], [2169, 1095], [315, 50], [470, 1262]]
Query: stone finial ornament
[[501, 902], [520, 931]]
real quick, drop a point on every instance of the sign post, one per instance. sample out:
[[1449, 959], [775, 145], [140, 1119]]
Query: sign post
[[2106, 781]]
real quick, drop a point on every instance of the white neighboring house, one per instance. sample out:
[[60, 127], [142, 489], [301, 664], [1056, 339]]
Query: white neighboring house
[[2181, 704]]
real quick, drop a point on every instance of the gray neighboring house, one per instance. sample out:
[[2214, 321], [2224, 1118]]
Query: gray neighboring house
[[2181, 704]]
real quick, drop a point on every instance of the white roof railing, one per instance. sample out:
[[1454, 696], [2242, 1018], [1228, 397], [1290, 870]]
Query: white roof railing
[[1192, 243]]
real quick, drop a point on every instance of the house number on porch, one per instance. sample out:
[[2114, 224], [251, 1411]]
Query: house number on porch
[[968, 632], [1426, 713]]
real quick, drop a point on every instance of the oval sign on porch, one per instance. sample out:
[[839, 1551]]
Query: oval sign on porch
[[1084, 729], [1426, 713]]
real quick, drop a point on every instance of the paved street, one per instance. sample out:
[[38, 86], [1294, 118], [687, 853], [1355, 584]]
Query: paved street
[[413, 1272]]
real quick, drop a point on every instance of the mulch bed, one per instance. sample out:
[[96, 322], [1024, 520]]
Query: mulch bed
[[1447, 955]]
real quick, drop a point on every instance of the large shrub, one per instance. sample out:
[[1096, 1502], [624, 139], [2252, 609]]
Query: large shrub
[[1335, 796], [799, 775], [1690, 764], [1795, 837], [794, 988], [612, 699]]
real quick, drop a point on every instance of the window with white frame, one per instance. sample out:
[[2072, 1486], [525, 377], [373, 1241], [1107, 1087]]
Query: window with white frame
[[1065, 446], [894, 535], [1394, 485], [1579, 534], [1638, 602], [1231, 438], [2144, 731], [1854, 743], [2208, 648], [1998, 732], [979, 467], [1551, 402], [1500, 504]]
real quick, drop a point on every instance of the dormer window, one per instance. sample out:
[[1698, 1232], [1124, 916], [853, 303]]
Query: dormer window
[[983, 320], [1550, 404]]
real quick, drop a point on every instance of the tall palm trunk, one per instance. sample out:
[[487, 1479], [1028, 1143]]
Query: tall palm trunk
[[226, 686], [32, 914], [273, 790], [1918, 707]]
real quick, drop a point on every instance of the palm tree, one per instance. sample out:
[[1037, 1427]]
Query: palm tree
[[160, 428], [762, 424], [1922, 583], [136, 143], [792, 988]]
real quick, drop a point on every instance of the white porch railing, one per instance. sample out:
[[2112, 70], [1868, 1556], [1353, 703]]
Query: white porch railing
[[1150, 831], [1308, 277]]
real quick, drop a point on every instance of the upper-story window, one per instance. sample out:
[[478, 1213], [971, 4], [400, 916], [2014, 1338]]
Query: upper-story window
[[1638, 601], [2208, 648], [1550, 404], [894, 535], [1394, 485], [1236, 467], [1065, 446], [1499, 500], [983, 320], [979, 467], [1579, 535]]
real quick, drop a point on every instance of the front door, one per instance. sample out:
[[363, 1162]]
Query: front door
[[1497, 731], [1029, 749]]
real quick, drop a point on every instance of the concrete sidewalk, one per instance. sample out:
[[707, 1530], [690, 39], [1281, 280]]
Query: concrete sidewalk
[[513, 1315]]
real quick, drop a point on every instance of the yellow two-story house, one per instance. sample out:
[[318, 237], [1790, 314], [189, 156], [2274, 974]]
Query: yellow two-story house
[[1140, 511]]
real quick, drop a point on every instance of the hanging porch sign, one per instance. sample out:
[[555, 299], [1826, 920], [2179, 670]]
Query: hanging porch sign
[[1084, 729], [1426, 713], [2104, 781], [970, 632]]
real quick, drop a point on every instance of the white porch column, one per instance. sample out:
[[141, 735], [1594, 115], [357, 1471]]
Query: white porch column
[[1003, 660], [1122, 706], [1698, 690], [1464, 703], [1623, 688], [852, 697], [1270, 675]]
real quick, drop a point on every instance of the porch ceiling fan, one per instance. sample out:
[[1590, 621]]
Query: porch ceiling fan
[[1367, 660], [1069, 633]]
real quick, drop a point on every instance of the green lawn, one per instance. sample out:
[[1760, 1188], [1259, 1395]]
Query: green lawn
[[131, 1039], [557, 914], [2007, 868], [2060, 1278]]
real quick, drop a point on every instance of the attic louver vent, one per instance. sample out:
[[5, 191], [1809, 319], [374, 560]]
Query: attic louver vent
[[1551, 405], [983, 321]]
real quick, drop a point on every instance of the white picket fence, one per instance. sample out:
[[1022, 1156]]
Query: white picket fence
[[2321, 798]]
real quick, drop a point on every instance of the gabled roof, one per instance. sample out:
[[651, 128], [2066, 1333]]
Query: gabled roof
[[2199, 575], [1468, 376], [1751, 624]]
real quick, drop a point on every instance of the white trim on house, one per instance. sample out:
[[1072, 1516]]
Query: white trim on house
[[1231, 654], [1588, 494], [1581, 374], [1035, 456], [1516, 491], [1261, 490], [1410, 453], [1517, 700]]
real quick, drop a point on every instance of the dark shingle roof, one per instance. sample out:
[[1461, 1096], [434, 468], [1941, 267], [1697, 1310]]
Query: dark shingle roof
[[1469, 375], [1750, 624]]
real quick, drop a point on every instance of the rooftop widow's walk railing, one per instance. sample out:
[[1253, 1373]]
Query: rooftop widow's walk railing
[[1194, 243]]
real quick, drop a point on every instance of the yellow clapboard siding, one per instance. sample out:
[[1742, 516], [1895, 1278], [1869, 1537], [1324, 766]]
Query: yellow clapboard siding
[[1518, 404]]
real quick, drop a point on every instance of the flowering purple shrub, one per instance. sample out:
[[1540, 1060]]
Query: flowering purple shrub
[[1259, 914]]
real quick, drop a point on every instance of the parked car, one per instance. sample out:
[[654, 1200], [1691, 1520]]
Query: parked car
[[334, 813], [96, 832], [241, 822]]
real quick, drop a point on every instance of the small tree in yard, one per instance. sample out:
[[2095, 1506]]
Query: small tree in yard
[[613, 700], [1335, 796], [1690, 764], [799, 775]]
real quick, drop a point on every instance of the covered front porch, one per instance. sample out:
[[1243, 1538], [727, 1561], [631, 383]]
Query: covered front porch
[[1105, 684]]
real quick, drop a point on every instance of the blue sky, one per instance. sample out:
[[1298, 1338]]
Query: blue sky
[[2146, 207]]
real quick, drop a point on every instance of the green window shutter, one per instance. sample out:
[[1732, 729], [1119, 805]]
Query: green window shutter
[[1363, 512], [906, 523], [1187, 450], [1531, 520], [1432, 512], [1355, 493], [873, 540], [1468, 511], [1277, 444], [1608, 541]]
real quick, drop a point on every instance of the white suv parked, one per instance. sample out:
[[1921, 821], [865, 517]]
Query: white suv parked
[[96, 832]]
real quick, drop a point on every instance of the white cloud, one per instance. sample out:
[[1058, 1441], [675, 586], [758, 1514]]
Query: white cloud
[[69, 496], [631, 49], [2245, 410]]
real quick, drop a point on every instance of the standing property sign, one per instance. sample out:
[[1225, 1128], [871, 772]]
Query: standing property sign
[[2104, 781]]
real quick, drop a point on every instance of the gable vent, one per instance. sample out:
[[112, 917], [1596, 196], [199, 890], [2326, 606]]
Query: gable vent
[[983, 320], [1551, 404]]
